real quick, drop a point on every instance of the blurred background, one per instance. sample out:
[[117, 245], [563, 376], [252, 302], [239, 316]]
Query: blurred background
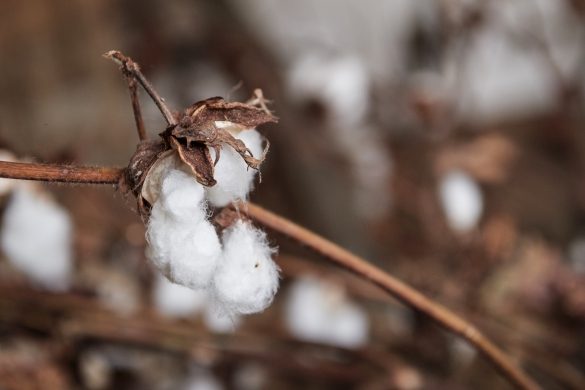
[[442, 140]]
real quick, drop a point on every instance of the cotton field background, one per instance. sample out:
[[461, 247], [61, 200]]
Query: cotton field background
[[441, 140]]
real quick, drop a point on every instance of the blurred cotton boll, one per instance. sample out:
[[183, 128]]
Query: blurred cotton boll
[[218, 323], [319, 312], [36, 237], [462, 201], [174, 300], [341, 83], [202, 380], [234, 178]]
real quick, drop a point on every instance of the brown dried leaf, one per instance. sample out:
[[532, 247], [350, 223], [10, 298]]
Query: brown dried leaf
[[204, 114], [197, 156]]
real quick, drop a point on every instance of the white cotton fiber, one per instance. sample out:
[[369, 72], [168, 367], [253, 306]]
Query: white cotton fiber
[[247, 278], [202, 380], [220, 324], [462, 201], [173, 300], [182, 244], [234, 178], [36, 238], [318, 312]]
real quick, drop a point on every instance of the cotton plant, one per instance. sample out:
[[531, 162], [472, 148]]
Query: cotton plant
[[237, 271], [206, 158]]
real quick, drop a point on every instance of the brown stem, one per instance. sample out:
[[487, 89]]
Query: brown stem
[[406, 294], [334, 253], [133, 86], [130, 68], [60, 173]]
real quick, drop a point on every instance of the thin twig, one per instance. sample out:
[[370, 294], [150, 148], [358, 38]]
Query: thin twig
[[395, 287], [60, 173], [131, 68], [332, 252], [133, 86]]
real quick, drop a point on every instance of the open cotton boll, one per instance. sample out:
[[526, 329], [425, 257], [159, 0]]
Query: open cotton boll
[[182, 244], [462, 201], [234, 178], [318, 312], [173, 300], [247, 278], [36, 238]]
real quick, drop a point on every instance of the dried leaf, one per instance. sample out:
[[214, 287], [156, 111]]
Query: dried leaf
[[197, 156]]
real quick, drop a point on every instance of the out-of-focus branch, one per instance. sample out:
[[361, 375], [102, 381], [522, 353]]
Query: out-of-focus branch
[[334, 253], [406, 294], [60, 173]]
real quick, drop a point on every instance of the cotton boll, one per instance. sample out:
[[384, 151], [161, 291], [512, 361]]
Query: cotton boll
[[247, 278], [173, 300], [462, 201], [202, 380], [319, 312], [218, 323], [234, 178], [36, 238], [182, 244], [182, 196]]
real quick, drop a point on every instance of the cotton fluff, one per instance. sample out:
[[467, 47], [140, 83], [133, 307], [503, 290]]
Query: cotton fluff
[[182, 243], [173, 300], [234, 178], [462, 201], [318, 312], [36, 238], [247, 278]]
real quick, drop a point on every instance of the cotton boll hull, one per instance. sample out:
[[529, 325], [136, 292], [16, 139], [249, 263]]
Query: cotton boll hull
[[247, 278], [36, 237], [234, 178]]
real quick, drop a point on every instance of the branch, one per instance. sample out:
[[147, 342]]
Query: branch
[[60, 173], [332, 252]]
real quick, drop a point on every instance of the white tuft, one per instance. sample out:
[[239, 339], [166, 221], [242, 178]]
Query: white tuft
[[182, 244], [318, 312], [234, 178], [247, 278], [218, 323], [36, 238], [462, 201], [173, 300], [202, 380]]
